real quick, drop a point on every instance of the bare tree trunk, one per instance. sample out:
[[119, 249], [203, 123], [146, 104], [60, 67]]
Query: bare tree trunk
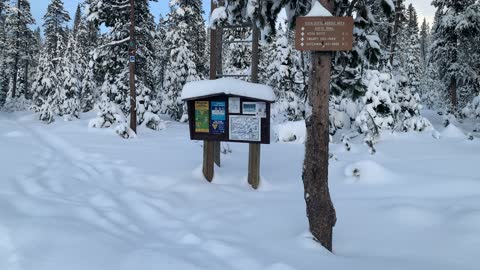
[[26, 78], [395, 31], [320, 211], [453, 93], [17, 45], [133, 48]]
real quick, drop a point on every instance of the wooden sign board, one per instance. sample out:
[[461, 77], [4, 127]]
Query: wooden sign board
[[324, 34], [229, 118]]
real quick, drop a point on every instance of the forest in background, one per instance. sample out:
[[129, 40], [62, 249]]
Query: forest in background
[[398, 65]]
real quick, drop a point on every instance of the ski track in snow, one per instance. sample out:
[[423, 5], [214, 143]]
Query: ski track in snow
[[73, 209]]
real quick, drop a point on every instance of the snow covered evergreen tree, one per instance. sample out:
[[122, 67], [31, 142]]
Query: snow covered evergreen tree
[[455, 28], [424, 42], [49, 94], [180, 70], [45, 87], [181, 67], [193, 16], [55, 28], [4, 80], [70, 77], [161, 54], [111, 62], [413, 64], [19, 38], [281, 74]]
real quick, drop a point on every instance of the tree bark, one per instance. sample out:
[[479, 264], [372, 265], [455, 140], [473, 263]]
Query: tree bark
[[133, 48], [17, 45], [395, 31], [320, 211], [453, 93]]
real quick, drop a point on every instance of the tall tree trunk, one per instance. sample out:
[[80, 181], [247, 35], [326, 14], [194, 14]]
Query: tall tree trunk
[[320, 211], [453, 93], [395, 31], [17, 45], [25, 86], [453, 79]]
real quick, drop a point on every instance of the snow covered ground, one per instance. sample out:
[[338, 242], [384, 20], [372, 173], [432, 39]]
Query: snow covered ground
[[78, 198]]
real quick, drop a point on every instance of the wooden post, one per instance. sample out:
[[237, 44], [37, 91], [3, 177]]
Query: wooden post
[[217, 47], [132, 53], [208, 169], [217, 158], [254, 148], [209, 146], [320, 211]]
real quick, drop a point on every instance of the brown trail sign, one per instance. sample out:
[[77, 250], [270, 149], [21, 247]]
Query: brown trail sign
[[324, 34]]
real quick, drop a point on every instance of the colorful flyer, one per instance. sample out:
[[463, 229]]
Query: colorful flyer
[[218, 117], [218, 110], [218, 127], [201, 117]]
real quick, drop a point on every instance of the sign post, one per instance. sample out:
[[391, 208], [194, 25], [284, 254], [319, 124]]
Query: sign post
[[254, 148], [322, 36]]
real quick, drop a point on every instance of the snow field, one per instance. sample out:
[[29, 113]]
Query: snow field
[[78, 198]]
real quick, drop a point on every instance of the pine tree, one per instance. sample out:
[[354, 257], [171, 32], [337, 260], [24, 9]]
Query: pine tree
[[70, 89], [83, 69], [237, 56], [112, 61], [55, 28], [19, 38], [88, 87], [45, 85], [455, 25], [181, 67], [191, 12], [77, 20], [424, 42], [412, 64], [282, 73], [50, 98], [180, 70], [161, 59], [3, 65]]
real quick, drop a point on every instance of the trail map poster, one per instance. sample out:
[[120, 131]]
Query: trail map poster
[[202, 120], [218, 117], [245, 128]]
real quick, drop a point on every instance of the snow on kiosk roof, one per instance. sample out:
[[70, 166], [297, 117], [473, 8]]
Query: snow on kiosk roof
[[227, 86]]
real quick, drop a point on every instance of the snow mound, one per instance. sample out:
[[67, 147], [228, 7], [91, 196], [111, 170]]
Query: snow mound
[[451, 131], [227, 86], [414, 215], [368, 172], [291, 132], [318, 10]]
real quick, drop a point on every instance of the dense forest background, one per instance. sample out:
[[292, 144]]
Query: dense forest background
[[397, 67]]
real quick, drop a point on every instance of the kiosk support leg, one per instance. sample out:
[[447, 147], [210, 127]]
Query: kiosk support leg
[[208, 160], [217, 151], [254, 165]]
